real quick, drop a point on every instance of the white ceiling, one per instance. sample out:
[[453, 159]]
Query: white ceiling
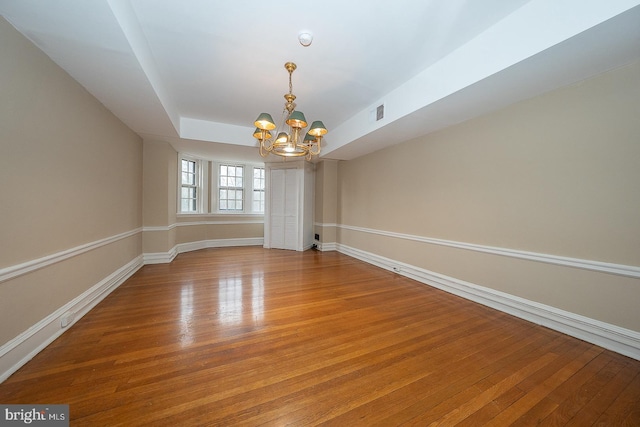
[[197, 73]]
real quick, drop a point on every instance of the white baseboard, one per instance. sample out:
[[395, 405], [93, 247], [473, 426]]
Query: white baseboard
[[219, 243], [326, 247], [18, 351], [160, 257], [167, 257], [612, 337]]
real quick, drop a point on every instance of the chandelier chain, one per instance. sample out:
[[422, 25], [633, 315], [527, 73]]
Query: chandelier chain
[[290, 84]]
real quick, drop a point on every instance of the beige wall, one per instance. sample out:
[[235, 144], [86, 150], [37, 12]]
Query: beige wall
[[71, 174], [326, 200], [160, 166], [558, 174], [160, 174]]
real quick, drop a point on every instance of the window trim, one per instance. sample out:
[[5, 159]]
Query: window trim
[[241, 188], [263, 190], [247, 176], [201, 190]]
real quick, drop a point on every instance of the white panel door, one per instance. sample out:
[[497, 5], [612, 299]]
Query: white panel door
[[291, 209], [277, 208]]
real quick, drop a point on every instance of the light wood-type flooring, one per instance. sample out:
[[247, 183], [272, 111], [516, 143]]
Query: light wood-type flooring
[[250, 336]]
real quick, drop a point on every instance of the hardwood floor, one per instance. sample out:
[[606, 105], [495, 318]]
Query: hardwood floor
[[248, 336]]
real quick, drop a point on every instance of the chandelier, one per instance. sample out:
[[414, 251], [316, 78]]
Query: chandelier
[[288, 141]]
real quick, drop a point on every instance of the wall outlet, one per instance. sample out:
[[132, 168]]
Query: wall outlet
[[317, 237], [67, 319]]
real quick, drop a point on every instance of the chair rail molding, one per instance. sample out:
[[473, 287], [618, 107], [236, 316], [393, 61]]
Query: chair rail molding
[[14, 271], [602, 267]]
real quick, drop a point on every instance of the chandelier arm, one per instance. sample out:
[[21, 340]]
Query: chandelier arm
[[317, 144], [266, 148], [262, 152], [263, 145]]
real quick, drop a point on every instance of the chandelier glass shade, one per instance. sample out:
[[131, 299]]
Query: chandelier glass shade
[[290, 138]]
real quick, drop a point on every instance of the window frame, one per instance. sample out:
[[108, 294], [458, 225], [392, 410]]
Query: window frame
[[201, 172], [262, 190], [231, 188], [247, 175]]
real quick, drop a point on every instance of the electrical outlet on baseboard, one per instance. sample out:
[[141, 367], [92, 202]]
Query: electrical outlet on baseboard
[[67, 319]]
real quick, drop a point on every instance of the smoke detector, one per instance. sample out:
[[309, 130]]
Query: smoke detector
[[305, 38]]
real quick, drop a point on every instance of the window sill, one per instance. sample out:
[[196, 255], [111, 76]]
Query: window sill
[[215, 214]]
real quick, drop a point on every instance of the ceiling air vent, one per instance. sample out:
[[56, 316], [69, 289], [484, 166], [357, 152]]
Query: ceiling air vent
[[380, 112]]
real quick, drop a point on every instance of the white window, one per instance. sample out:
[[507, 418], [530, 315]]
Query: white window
[[192, 190], [231, 188], [238, 188], [214, 187], [258, 190], [189, 191]]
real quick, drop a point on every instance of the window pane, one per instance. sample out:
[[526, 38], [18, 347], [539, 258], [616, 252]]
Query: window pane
[[258, 181], [189, 166], [189, 190], [231, 186], [258, 201]]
